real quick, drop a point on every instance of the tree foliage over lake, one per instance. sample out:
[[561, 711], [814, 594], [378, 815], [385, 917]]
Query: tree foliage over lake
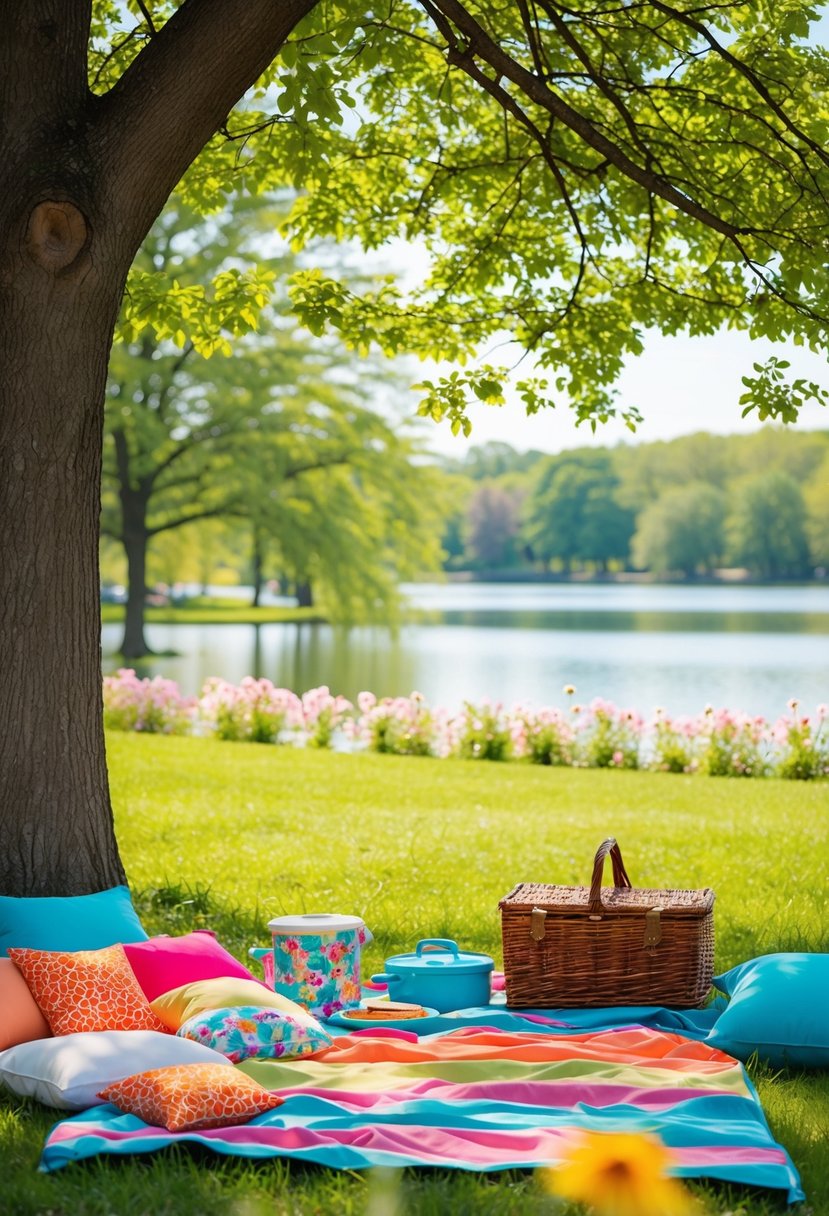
[[573, 175]]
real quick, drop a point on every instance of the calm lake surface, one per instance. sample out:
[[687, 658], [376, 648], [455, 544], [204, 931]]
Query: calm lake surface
[[749, 648]]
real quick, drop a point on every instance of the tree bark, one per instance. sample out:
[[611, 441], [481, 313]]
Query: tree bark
[[56, 319], [304, 594]]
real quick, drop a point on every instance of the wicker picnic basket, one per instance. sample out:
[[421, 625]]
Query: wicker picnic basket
[[571, 946]]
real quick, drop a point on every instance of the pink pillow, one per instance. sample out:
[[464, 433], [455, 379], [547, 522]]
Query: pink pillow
[[162, 963], [20, 1016]]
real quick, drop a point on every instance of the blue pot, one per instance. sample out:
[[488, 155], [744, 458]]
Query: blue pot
[[438, 975]]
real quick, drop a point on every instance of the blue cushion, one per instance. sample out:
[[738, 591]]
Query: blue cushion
[[75, 922], [778, 1009]]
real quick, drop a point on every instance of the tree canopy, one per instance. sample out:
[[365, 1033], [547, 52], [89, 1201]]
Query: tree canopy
[[574, 173]]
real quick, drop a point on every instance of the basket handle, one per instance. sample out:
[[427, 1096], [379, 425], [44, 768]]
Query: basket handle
[[620, 877]]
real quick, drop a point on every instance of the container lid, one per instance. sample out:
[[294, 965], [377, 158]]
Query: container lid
[[315, 922], [440, 952], [529, 895]]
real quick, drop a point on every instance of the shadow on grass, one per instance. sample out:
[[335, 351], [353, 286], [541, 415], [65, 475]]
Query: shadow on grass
[[180, 907]]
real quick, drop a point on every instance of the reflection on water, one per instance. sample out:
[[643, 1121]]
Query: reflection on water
[[749, 648], [639, 622], [618, 597]]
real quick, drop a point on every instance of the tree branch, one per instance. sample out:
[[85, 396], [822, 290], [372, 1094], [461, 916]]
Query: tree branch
[[177, 93], [181, 520], [479, 43], [745, 70]]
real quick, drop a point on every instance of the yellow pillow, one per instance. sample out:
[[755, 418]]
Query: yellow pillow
[[177, 1006], [184, 1097]]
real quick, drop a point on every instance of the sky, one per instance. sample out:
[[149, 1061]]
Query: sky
[[680, 385]]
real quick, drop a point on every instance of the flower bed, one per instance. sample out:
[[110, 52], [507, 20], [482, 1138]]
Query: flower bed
[[718, 742]]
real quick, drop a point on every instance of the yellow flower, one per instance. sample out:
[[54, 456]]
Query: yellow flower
[[619, 1174]]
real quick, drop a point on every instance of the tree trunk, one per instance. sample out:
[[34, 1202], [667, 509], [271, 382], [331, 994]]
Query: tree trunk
[[83, 180], [57, 312], [134, 645], [258, 567], [134, 495], [257, 671], [305, 594]]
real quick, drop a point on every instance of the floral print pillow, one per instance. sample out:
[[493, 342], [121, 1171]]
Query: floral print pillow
[[246, 1032]]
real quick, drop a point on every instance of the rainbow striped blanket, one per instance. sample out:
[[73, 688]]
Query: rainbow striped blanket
[[482, 1098]]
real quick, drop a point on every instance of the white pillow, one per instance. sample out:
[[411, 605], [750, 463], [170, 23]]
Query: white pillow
[[69, 1070]]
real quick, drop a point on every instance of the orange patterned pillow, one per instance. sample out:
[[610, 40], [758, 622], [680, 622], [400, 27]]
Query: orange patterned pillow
[[185, 1097], [86, 990]]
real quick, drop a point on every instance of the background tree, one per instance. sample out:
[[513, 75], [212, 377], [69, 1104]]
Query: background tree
[[684, 188], [188, 560], [683, 530], [816, 499], [345, 537], [646, 470], [190, 438], [492, 527], [573, 513], [458, 492], [767, 528], [486, 461]]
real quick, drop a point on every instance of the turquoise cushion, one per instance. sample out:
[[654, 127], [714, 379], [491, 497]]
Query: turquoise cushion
[[247, 1032], [779, 1008], [74, 922]]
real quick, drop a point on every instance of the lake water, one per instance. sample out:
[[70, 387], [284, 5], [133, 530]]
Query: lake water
[[749, 648]]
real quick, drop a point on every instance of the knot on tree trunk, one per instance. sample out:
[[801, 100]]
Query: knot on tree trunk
[[57, 233]]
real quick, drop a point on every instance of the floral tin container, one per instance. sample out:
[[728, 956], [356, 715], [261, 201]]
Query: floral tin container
[[316, 960]]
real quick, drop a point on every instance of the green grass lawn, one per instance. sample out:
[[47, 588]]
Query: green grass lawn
[[228, 835], [214, 612]]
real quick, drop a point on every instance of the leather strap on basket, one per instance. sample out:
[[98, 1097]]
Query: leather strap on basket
[[620, 877]]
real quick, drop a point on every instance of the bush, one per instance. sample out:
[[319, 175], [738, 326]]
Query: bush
[[153, 706], [397, 726], [543, 736], [803, 749], [720, 743], [732, 744], [256, 711], [481, 732], [322, 714], [608, 737], [673, 744]]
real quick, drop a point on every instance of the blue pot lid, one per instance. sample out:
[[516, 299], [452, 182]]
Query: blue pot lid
[[435, 953]]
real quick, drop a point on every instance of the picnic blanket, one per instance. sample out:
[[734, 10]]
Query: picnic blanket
[[481, 1098]]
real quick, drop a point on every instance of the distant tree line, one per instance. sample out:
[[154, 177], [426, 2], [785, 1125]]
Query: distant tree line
[[682, 508]]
